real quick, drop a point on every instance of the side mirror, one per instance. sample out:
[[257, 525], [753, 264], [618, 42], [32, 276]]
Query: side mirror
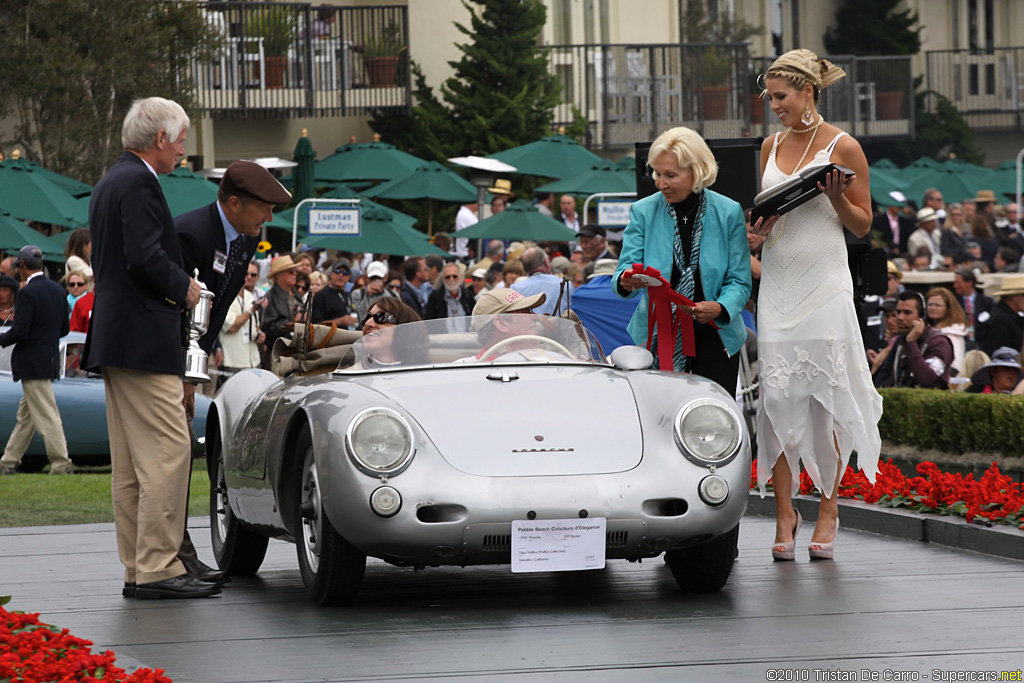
[[632, 358]]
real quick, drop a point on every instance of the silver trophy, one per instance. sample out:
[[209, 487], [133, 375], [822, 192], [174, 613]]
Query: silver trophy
[[197, 360]]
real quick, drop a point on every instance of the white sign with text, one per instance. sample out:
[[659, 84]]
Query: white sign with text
[[558, 545], [334, 222], [612, 213]]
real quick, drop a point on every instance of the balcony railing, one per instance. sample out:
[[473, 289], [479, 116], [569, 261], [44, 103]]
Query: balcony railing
[[986, 86], [631, 93], [296, 59]]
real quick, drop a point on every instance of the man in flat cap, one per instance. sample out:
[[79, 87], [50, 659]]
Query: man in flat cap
[[41, 321], [219, 240]]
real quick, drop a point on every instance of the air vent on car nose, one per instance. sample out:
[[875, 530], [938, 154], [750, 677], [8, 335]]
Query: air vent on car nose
[[616, 539], [497, 543]]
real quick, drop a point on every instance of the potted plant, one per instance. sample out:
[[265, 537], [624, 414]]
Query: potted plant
[[275, 27], [381, 54], [715, 73]]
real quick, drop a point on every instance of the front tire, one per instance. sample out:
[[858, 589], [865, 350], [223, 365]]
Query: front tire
[[705, 568], [332, 569], [237, 550]]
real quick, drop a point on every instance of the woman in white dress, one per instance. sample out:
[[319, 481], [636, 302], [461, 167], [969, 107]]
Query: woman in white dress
[[817, 401]]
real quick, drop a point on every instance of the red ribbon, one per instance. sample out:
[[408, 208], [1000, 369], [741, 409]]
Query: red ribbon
[[659, 312]]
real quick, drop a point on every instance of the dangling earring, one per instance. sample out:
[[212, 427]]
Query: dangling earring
[[807, 119]]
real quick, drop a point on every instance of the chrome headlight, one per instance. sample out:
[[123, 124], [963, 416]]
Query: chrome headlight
[[379, 440], [708, 432]]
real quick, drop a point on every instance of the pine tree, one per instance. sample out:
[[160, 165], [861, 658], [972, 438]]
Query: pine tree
[[873, 27], [501, 95]]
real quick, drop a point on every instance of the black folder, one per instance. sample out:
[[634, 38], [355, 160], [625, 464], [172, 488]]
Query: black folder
[[798, 190]]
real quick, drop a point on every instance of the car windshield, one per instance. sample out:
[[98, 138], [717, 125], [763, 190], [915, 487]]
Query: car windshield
[[512, 338]]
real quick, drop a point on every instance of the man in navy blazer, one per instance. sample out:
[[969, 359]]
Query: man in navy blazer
[[218, 240], [40, 321], [136, 340]]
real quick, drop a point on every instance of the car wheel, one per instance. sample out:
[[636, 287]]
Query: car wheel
[[706, 567], [332, 568], [237, 550]]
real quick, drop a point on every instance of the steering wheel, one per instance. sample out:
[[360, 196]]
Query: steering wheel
[[528, 337]]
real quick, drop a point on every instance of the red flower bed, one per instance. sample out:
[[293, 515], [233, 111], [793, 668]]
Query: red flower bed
[[32, 652], [994, 497]]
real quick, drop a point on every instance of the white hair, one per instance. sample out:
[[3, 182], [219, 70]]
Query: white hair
[[147, 117], [690, 150]]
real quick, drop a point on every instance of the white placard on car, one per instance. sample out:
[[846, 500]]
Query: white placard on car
[[558, 545], [335, 221]]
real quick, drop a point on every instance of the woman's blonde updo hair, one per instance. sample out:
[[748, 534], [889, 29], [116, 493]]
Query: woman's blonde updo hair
[[800, 67], [690, 151]]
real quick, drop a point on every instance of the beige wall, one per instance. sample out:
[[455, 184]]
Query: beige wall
[[433, 37], [234, 139]]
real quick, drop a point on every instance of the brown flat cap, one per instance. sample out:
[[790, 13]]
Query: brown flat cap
[[249, 180]]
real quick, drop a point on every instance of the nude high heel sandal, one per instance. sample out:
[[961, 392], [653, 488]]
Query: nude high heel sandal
[[823, 551], [787, 551]]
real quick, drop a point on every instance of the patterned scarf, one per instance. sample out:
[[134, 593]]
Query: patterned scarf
[[685, 286]]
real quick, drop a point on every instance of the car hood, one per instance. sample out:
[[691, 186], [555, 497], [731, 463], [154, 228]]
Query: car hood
[[522, 421]]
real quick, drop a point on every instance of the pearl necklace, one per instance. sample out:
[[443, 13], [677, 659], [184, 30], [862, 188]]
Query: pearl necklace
[[814, 133]]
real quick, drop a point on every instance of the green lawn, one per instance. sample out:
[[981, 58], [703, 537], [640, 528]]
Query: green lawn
[[42, 500]]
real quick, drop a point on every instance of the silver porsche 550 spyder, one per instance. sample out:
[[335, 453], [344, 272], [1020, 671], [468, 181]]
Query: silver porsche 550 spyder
[[430, 443]]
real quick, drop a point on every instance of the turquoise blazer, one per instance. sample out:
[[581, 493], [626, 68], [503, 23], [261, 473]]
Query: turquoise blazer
[[724, 261]]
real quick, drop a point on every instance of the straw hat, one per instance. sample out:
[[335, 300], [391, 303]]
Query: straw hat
[[501, 186], [604, 266], [1010, 285], [891, 268], [281, 264], [926, 214], [985, 196]]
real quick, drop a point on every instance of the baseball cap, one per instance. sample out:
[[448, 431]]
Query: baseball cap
[[31, 257], [496, 301], [592, 231], [888, 303], [376, 269]]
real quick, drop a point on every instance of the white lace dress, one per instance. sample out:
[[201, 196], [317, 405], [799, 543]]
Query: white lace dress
[[815, 379]]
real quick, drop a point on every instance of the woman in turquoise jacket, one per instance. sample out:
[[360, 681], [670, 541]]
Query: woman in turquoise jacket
[[698, 240]]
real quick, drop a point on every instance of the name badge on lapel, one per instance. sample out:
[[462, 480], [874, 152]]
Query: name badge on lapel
[[220, 261]]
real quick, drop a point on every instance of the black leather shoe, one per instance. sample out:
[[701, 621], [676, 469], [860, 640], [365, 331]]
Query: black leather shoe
[[129, 590], [183, 586], [206, 574]]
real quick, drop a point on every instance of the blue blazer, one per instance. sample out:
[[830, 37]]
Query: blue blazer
[[724, 260], [201, 234], [40, 320], [137, 317]]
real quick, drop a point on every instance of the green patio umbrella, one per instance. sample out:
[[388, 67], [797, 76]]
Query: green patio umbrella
[[302, 175], [430, 181], [627, 164], [1003, 180], [520, 221], [556, 156], [15, 234], [185, 190], [28, 195], [886, 164], [604, 176], [365, 161], [73, 187], [908, 174], [380, 234], [954, 185], [884, 181]]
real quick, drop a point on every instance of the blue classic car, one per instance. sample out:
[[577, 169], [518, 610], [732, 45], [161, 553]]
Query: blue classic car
[[83, 410]]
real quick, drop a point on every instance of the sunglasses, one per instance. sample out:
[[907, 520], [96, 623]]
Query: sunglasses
[[451, 277], [252, 274], [76, 284], [342, 270], [395, 288], [381, 318]]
